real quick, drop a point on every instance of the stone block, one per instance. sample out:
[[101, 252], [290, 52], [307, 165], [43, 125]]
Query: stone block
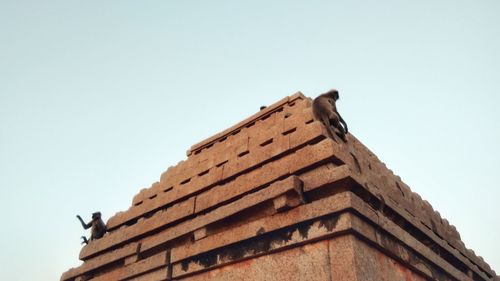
[[341, 259], [266, 151], [312, 154], [166, 176], [290, 199], [131, 259], [200, 233], [262, 138], [324, 175], [157, 275], [139, 197], [307, 133], [135, 269]]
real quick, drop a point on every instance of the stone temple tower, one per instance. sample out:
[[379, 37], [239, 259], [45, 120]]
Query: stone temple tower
[[274, 197]]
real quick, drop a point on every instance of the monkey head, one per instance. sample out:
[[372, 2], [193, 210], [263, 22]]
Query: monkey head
[[333, 93], [96, 215]]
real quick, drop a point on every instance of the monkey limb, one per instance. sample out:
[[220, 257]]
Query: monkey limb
[[326, 121], [335, 123], [84, 225], [85, 241], [343, 123], [340, 126]]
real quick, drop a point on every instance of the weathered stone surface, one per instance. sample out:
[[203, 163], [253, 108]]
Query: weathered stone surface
[[100, 261], [233, 162], [158, 275], [300, 214], [158, 220], [309, 262], [200, 233], [135, 269], [252, 119], [371, 264], [274, 198], [246, 202], [214, 175], [267, 173], [342, 260]]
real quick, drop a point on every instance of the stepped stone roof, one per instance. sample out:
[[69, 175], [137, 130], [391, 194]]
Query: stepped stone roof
[[259, 201]]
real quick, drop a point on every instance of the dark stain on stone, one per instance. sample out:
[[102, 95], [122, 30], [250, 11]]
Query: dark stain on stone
[[303, 229], [185, 265], [436, 273], [260, 231], [329, 222], [231, 254], [390, 244], [261, 244], [413, 259], [206, 260], [287, 236]]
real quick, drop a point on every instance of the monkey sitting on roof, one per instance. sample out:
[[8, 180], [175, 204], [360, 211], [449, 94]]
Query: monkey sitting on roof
[[325, 110], [98, 227]]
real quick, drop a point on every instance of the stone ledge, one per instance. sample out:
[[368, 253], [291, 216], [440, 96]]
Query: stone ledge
[[299, 229], [296, 141], [330, 175], [290, 164], [243, 123]]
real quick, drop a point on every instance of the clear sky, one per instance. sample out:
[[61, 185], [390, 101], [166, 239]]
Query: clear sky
[[98, 98]]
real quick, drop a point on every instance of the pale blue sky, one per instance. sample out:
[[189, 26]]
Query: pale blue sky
[[98, 98]]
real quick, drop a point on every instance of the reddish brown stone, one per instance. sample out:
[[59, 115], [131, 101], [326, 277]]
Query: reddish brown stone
[[147, 225], [309, 262], [214, 175], [274, 198], [101, 260], [307, 133], [135, 269], [200, 233], [225, 211], [300, 214]]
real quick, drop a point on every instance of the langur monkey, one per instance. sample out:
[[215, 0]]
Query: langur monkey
[[98, 228], [325, 110]]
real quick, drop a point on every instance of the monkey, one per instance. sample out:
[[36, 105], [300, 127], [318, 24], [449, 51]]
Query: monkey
[[98, 227], [325, 110], [263, 107]]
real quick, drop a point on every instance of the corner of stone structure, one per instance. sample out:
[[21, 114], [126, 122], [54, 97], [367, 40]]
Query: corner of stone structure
[[276, 197]]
